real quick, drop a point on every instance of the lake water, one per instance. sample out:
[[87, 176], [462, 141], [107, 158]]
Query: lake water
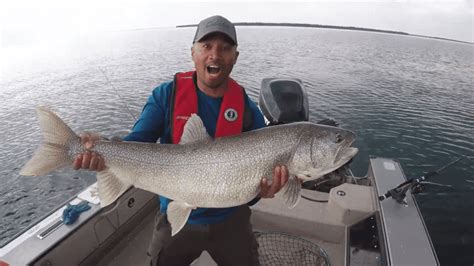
[[407, 98]]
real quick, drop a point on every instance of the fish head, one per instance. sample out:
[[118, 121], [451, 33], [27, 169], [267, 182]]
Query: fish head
[[327, 148]]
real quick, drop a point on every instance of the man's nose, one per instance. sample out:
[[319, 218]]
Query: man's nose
[[216, 52]]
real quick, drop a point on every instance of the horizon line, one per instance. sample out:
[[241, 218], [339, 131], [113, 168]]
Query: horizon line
[[310, 25]]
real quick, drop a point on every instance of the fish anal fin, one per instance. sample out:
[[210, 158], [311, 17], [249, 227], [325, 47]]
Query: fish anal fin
[[194, 131], [110, 187], [178, 214], [291, 192]]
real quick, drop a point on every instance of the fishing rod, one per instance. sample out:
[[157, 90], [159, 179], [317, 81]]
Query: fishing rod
[[399, 192], [118, 94]]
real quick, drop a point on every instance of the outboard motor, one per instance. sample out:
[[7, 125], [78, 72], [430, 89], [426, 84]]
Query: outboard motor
[[283, 100]]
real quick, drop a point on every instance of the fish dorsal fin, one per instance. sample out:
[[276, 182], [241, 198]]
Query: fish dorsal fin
[[178, 214], [194, 131]]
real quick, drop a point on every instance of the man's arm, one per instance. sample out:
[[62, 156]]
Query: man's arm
[[150, 126]]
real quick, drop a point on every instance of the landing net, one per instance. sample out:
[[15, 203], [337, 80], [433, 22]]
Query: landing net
[[277, 248]]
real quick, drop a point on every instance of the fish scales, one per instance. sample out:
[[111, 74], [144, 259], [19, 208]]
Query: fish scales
[[195, 171]]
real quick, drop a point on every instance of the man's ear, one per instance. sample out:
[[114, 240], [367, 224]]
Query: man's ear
[[192, 52], [236, 56]]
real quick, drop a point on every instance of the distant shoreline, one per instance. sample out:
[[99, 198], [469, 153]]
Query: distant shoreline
[[305, 25]]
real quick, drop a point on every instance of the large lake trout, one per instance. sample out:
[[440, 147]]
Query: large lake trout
[[200, 171]]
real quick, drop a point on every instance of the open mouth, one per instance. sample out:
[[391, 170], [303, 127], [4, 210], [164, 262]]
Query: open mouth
[[213, 69]]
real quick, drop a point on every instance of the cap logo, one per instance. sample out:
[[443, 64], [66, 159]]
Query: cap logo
[[230, 114]]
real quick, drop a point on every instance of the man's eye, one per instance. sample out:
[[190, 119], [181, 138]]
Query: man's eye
[[207, 46], [226, 48]]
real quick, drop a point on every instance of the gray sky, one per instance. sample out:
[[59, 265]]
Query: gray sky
[[26, 20]]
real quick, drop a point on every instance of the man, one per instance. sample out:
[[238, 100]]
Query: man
[[226, 233]]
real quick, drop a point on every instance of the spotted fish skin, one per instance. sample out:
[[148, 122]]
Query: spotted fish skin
[[200, 172]]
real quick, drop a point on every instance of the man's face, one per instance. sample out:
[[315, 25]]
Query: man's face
[[214, 57]]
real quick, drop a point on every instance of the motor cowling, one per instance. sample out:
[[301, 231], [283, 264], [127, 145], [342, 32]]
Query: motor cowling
[[283, 100]]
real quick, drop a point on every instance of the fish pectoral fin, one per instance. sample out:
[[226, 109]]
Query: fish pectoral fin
[[194, 131], [291, 192], [110, 187], [178, 214]]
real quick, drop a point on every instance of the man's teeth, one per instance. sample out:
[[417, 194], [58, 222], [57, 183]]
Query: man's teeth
[[213, 69]]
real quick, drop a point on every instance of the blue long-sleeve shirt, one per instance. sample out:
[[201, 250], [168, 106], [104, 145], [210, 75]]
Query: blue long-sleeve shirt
[[154, 124]]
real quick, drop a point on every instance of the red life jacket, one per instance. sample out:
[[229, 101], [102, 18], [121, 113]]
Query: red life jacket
[[184, 102]]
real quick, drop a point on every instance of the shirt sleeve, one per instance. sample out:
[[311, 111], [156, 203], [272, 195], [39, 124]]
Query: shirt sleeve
[[150, 125]]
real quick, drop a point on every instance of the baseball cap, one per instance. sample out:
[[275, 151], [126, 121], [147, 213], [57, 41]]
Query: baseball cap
[[215, 24]]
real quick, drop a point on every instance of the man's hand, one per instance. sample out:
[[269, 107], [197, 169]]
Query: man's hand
[[89, 160], [280, 177]]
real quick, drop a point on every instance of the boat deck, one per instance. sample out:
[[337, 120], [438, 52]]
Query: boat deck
[[131, 249]]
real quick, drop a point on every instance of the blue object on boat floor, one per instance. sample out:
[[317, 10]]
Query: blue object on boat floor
[[72, 212]]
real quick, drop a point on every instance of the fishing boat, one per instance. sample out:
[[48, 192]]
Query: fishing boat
[[341, 219]]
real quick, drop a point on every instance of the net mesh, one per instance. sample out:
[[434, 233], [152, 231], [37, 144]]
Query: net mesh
[[277, 248]]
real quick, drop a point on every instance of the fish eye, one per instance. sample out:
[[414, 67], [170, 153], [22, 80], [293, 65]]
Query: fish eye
[[339, 138]]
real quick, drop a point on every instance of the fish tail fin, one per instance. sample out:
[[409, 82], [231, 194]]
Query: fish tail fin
[[110, 187], [291, 192], [53, 151]]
